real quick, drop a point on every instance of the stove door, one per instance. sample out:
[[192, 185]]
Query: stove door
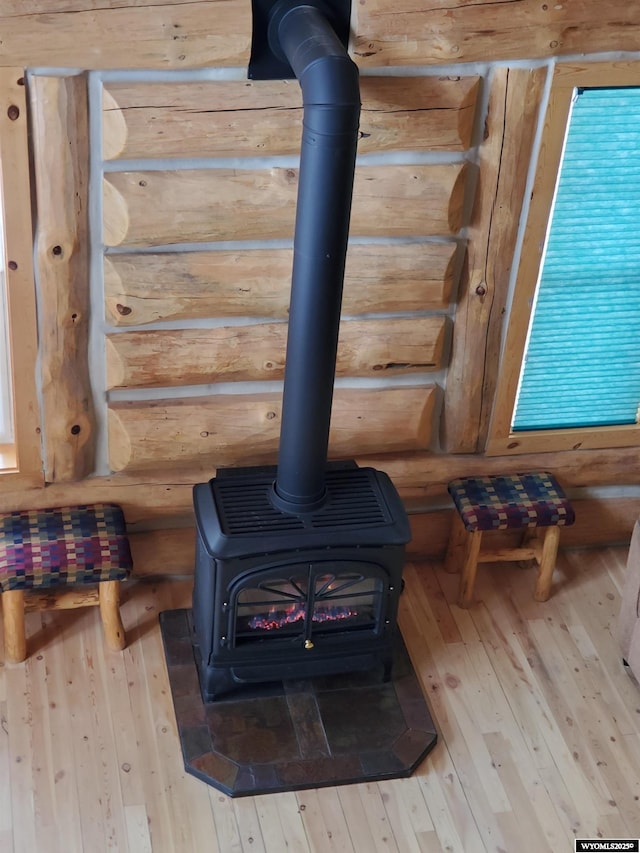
[[309, 601]]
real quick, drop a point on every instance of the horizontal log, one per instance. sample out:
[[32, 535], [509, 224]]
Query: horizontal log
[[237, 118], [162, 553], [417, 113], [176, 545], [442, 32], [139, 34], [244, 429], [165, 34], [148, 288], [193, 205], [421, 478], [421, 475], [599, 523], [257, 352], [142, 497]]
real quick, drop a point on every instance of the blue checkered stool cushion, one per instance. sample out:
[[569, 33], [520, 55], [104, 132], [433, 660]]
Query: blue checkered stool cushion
[[518, 502], [506, 503], [60, 548], [68, 545]]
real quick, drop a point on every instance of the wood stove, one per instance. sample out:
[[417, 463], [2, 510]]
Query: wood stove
[[299, 566], [283, 596]]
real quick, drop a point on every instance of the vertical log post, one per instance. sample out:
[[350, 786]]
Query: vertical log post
[[61, 152]]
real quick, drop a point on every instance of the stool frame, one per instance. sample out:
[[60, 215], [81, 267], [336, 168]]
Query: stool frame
[[17, 602], [464, 553]]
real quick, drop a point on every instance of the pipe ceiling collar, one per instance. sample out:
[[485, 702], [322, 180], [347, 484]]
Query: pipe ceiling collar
[[268, 61]]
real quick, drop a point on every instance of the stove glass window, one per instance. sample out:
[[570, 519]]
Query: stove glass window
[[308, 601]]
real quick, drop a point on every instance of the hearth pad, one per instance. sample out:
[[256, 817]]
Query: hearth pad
[[289, 735]]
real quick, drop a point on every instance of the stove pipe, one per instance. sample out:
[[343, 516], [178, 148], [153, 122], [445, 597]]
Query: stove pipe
[[331, 99]]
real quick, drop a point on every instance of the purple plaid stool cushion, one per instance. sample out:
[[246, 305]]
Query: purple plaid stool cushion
[[505, 503], [63, 546]]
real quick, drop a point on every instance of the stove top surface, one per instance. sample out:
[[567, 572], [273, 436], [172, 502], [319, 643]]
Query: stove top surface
[[235, 514]]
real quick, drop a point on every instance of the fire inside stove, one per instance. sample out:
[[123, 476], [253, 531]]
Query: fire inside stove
[[317, 603], [297, 613]]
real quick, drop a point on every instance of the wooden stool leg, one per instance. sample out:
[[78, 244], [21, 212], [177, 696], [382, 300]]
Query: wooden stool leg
[[109, 592], [547, 563], [15, 643], [469, 568], [456, 546], [528, 540]]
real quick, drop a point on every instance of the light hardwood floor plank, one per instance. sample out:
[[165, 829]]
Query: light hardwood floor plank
[[270, 824], [143, 723], [190, 821], [20, 725], [317, 832], [137, 824], [398, 817], [59, 732], [249, 824], [335, 819], [359, 826], [226, 822], [6, 823], [292, 819], [373, 806]]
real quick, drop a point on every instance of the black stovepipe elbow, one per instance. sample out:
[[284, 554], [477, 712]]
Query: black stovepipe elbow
[[331, 100]]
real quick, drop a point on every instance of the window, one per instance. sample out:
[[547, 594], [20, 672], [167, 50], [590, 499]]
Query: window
[[20, 455], [570, 373]]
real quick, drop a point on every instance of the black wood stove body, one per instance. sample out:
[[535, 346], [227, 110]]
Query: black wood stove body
[[281, 596], [299, 566]]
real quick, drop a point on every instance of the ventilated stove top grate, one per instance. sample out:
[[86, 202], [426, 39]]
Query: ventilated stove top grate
[[353, 499]]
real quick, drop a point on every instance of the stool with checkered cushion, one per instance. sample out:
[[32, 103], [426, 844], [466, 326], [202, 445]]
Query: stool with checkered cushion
[[62, 558], [526, 502]]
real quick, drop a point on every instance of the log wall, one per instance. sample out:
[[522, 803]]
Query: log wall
[[164, 207], [167, 231]]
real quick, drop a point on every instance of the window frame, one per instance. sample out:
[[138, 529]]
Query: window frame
[[21, 461], [501, 439], [6, 392]]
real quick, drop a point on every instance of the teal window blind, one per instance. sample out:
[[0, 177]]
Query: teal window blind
[[582, 359]]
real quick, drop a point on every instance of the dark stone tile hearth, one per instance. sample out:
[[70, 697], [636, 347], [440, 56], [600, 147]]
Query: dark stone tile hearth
[[297, 734]]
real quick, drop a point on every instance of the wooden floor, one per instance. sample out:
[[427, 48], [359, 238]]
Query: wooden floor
[[539, 733]]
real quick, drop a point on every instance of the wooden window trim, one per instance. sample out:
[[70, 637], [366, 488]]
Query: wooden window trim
[[501, 439], [16, 198], [6, 396]]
